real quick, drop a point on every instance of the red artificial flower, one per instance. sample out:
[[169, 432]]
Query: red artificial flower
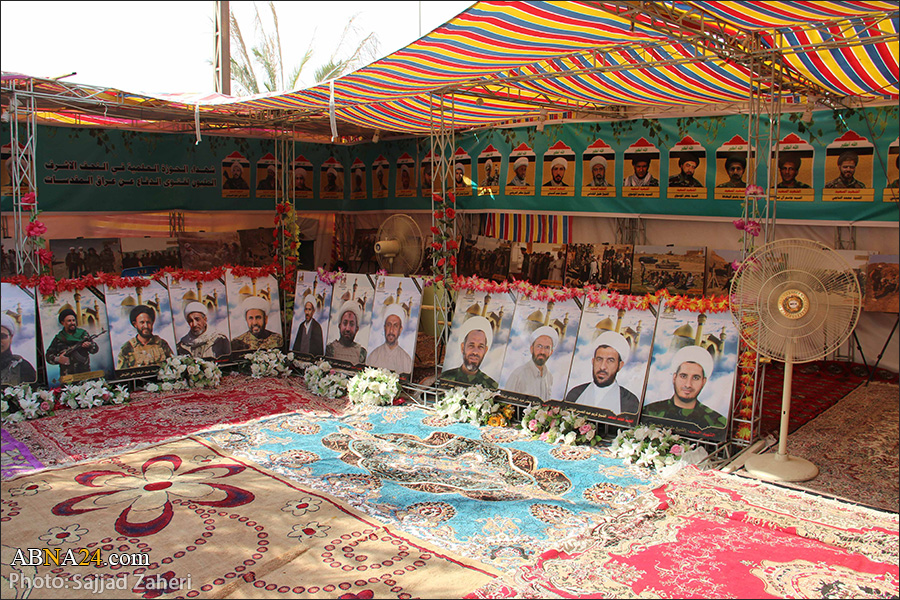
[[441, 262], [47, 285], [35, 229], [438, 214], [452, 244], [29, 200], [282, 208], [437, 198], [453, 260], [451, 213], [451, 197], [436, 246], [45, 256], [435, 230]]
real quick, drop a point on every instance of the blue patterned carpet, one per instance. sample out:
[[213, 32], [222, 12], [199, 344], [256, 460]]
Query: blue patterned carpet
[[488, 493]]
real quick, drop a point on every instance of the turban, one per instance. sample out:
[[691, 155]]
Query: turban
[[358, 172], [688, 157], [397, 311], [254, 302], [479, 323], [139, 310], [193, 307], [598, 160], [520, 162], [545, 330], [489, 163], [301, 170], [8, 324], [352, 306], [694, 354], [559, 161], [331, 171], [735, 158], [65, 313], [617, 342]]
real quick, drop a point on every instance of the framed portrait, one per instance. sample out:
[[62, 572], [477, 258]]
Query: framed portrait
[[395, 324], [254, 313], [350, 325], [539, 352], [200, 316], [18, 335], [141, 331], [606, 381], [312, 313], [690, 385], [479, 335], [75, 330]]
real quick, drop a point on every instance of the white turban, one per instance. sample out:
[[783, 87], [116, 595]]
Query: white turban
[[7, 323], [331, 171], [358, 172], [195, 307], [694, 354], [548, 331], [617, 342], [301, 170], [520, 162], [404, 168], [352, 306], [255, 302], [397, 311], [489, 164], [481, 323], [559, 161], [598, 160], [379, 169], [460, 168]]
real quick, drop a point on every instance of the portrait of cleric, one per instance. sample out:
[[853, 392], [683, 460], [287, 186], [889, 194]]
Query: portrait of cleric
[[16, 361], [540, 348], [203, 338], [145, 348], [610, 364], [479, 335], [258, 334], [312, 310], [692, 374]]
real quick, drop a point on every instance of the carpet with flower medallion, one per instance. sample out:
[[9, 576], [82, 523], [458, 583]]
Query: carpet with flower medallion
[[202, 523]]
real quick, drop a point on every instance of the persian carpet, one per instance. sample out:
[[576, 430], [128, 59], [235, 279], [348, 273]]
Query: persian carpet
[[710, 535], [816, 387], [16, 457], [489, 493], [856, 445], [73, 435], [210, 526]]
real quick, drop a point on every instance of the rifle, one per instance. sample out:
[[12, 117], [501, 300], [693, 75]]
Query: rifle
[[77, 345]]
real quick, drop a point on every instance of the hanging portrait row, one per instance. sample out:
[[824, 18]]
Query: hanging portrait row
[[832, 169]]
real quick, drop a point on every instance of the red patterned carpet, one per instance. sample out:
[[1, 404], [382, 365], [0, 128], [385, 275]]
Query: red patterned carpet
[[709, 535], [817, 386], [73, 435]]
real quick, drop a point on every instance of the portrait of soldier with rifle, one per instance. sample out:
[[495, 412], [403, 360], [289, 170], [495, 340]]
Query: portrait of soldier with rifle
[[72, 346]]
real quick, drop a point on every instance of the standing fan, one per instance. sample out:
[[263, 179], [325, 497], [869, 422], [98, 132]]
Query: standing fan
[[795, 301], [400, 245]]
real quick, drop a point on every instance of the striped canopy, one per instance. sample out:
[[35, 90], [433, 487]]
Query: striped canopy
[[500, 61]]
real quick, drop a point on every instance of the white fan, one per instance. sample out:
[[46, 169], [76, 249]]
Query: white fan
[[795, 301], [400, 245]]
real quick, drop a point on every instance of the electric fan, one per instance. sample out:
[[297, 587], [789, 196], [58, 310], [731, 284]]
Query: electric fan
[[400, 246], [795, 301]]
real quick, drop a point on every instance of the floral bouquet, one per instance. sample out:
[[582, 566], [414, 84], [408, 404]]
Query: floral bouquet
[[476, 405], [651, 446], [93, 393], [373, 387], [182, 372], [271, 363], [321, 380], [19, 403], [559, 426]]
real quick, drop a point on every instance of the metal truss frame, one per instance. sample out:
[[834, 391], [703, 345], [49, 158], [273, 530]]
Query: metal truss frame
[[23, 176]]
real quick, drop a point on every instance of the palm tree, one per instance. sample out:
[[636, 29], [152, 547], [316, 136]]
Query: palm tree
[[267, 55]]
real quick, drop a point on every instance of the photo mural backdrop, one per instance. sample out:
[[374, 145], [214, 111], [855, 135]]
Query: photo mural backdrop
[[830, 169]]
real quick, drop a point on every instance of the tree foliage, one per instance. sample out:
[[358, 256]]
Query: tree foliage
[[262, 67]]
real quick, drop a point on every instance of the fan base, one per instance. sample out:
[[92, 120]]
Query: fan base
[[780, 467]]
